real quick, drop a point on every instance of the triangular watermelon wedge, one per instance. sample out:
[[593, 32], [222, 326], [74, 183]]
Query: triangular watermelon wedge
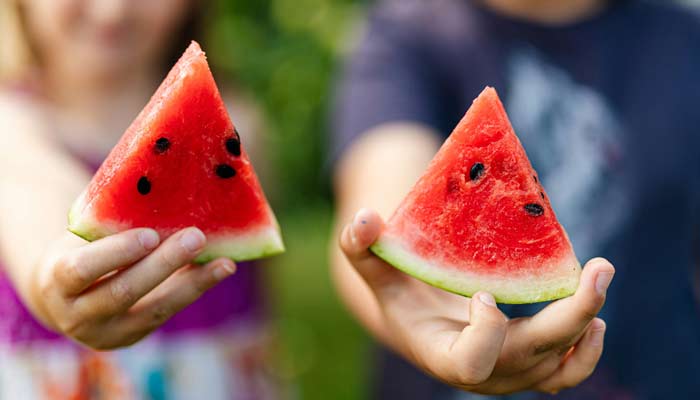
[[181, 164], [479, 219]]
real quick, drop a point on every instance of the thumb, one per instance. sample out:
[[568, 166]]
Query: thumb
[[355, 240]]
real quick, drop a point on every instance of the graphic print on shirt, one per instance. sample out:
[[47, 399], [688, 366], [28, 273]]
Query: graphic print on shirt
[[572, 137]]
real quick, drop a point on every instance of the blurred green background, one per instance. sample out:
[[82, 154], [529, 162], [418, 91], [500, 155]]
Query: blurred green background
[[285, 52]]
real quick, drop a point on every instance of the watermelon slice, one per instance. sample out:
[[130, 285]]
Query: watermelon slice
[[479, 219], [181, 164]]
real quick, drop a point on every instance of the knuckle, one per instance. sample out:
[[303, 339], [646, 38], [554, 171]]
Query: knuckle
[[495, 320], [121, 293], [202, 285], [173, 257], [469, 371], [160, 314], [128, 245], [472, 375], [68, 269], [589, 312], [72, 326], [588, 309], [45, 287], [543, 347]]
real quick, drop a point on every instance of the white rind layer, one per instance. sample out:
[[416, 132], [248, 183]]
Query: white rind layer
[[243, 246], [249, 244], [559, 279]]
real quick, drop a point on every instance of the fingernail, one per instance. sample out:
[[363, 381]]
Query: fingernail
[[192, 240], [597, 335], [603, 281], [149, 239], [223, 270], [362, 216], [487, 299]]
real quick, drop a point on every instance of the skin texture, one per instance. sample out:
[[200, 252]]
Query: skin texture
[[114, 291], [467, 343]]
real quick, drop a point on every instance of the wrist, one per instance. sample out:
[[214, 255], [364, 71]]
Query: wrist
[[29, 286]]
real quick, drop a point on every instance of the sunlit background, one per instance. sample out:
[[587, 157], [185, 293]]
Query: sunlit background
[[286, 53]]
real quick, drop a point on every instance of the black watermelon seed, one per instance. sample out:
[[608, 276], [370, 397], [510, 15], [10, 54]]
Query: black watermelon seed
[[535, 178], [225, 171], [476, 171], [233, 146], [534, 209], [542, 195], [143, 186], [162, 145]]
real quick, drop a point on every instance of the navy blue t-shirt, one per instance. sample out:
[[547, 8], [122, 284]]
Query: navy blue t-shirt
[[608, 110]]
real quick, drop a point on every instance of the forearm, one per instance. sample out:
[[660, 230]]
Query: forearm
[[33, 232], [375, 172], [354, 292], [37, 186]]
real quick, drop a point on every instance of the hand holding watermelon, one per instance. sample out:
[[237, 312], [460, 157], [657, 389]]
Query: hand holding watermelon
[[469, 343], [80, 295], [180, 164]]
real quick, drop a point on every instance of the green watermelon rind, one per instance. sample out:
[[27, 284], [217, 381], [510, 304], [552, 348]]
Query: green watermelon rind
[[265, 242], [509, 290], [86, 228], [251, 244]]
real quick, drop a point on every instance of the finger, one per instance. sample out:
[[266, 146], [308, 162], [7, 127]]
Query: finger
[[561, 323], [84, 265], [580, 363], [355, 241], [474, 353], [177, 292], [523, 380], [119, 293]]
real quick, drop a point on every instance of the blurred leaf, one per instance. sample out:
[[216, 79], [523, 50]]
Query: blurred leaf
[[285, 52]]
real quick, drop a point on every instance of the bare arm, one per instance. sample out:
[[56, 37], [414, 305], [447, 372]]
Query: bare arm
[[37, 187], [376, 172]]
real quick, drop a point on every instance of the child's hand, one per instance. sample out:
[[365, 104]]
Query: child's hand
[[469, 343], [114, 291]]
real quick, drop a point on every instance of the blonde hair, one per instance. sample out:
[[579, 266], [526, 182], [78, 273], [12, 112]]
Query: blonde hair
[[15, 53]]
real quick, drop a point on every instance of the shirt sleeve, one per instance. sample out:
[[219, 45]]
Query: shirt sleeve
[[387, 78]]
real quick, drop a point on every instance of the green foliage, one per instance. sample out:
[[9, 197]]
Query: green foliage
[[285, 52], [323, 353]]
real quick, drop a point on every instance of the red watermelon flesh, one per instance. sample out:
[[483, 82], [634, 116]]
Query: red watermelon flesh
[[479, 219], [181, 164]]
